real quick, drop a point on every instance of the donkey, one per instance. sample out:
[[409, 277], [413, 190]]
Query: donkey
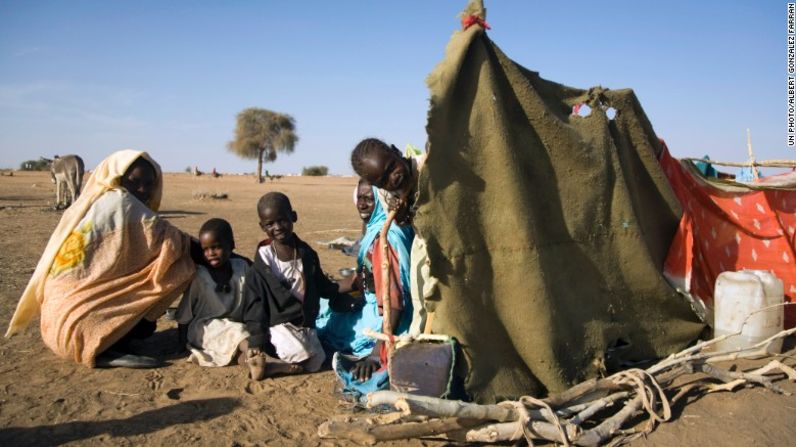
[[66, 172]]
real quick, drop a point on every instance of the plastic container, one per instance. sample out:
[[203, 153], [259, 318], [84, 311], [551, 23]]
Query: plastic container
[[738, 300]]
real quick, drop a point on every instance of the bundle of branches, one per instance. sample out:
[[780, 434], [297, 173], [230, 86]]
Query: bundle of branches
[[594, 412]]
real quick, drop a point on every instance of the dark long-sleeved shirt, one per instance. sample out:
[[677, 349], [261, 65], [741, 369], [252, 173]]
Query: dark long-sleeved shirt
[[269, 302]]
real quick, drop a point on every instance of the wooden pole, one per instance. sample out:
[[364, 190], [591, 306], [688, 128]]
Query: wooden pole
[[436, 407], [371, 434], [386, 326], [767, 163], [751, 154]]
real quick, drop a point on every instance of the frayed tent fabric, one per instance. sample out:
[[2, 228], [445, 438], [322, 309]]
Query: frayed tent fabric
[[547, 231]]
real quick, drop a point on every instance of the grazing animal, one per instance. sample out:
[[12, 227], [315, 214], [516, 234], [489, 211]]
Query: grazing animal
[[272, 177], [67, 173]]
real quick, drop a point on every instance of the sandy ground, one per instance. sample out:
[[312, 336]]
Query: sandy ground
[[48, 401]]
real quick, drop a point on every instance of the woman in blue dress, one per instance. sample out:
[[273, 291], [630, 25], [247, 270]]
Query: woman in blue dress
[[358, 359]]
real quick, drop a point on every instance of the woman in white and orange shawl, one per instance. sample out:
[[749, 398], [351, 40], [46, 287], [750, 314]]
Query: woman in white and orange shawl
[[111, 267]]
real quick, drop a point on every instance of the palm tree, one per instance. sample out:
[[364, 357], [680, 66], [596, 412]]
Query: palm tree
[[260, 134]]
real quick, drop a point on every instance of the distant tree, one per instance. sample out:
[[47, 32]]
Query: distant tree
[[41, 164], [260, 134], [317, 171]]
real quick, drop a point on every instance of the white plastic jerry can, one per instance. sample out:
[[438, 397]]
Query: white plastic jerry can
[[748, 302]]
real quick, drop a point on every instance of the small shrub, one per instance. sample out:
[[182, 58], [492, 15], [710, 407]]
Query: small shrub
[[35, 165], [316, 171]]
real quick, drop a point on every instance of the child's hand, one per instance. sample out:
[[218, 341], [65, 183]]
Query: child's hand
[[401, 207], [396, 203], [403, 218]]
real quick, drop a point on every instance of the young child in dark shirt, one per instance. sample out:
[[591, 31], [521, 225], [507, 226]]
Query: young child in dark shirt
[[394, 175], [282, 295]]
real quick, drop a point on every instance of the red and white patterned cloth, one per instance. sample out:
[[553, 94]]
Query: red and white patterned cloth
[[730, 227]]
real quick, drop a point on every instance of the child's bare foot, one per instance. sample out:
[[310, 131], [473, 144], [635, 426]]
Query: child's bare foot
[[283, 368], [256, 361]]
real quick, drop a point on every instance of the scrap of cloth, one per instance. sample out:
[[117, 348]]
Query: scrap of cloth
[[547, 231], [730, 226], [110, 262]]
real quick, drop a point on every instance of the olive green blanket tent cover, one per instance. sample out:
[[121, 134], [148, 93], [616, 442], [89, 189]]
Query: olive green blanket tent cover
[[546, 231]]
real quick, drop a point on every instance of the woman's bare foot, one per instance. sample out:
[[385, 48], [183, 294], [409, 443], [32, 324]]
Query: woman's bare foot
[[256, 361]]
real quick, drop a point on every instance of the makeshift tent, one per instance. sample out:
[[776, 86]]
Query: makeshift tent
[[547, 231], [730, 226]]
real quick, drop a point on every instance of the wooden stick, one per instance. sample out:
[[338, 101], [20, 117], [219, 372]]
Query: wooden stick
[[684, 390], [757, 350], [386, 325], [398, 339], [505, 431], [731, 377], [575, 409], [597, 406], [605, 430], [432, 406], [579, 391], [731, 385], [674, 359], [429, 323], [370, 434], [772, 365], [751, 155], [765, 163], [694, 353], [512, 431]]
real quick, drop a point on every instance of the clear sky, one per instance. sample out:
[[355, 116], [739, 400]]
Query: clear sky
[[91, 77]]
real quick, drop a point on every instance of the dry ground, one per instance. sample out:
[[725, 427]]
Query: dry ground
[[48, 401]]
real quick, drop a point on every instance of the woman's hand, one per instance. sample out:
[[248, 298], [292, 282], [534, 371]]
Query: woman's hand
[[364, 368], [361, 283], [367, 282]]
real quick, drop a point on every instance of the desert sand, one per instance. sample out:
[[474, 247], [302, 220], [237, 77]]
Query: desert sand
[[45, 400]]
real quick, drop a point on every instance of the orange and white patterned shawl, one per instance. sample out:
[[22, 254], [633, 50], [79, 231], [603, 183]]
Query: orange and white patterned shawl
[[110, 262]]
